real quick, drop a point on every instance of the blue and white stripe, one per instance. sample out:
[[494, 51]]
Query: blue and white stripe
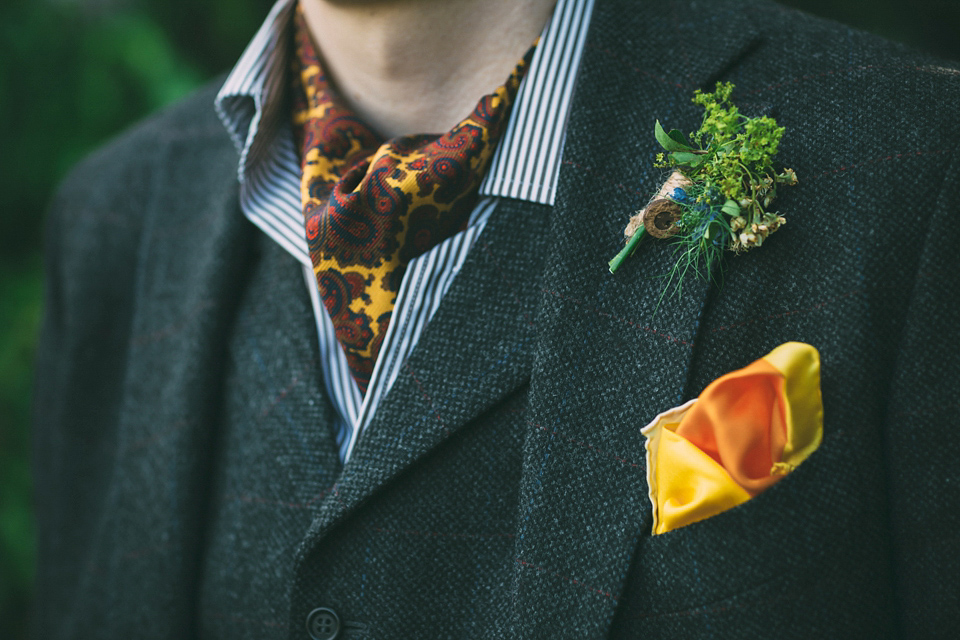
[[527, 161], [252, 106]]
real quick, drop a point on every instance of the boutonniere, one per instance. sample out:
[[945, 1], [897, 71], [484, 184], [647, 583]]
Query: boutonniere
[[719, 193]]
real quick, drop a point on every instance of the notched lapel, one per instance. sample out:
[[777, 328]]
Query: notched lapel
[[607, 357], [474, 352]]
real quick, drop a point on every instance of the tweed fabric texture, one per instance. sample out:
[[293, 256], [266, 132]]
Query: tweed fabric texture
[[276, 453], [500, 491], [127, 392]]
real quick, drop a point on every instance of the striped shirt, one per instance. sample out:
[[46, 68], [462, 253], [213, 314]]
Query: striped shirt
[[251, 105]]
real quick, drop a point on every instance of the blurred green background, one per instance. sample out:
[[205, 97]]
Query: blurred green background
[[75, 72]]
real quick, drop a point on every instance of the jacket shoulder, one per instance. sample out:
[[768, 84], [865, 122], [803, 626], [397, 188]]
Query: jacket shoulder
[[828, 70], [115, 180], [102, 211], [863, 115], [102, 205]]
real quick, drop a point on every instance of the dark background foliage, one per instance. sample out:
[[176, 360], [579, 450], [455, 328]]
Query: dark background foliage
[[75, 72]]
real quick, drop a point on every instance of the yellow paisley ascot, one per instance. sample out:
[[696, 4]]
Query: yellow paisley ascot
[[371, 206]]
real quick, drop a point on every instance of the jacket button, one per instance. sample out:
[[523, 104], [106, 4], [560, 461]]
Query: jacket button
[[323, 624]]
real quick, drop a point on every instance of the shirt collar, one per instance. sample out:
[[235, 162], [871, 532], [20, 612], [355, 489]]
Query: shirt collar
[[251, 102]]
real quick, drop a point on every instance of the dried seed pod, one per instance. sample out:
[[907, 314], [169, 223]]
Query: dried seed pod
[[660, 218]]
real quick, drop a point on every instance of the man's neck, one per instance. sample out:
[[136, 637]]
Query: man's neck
[[420, 66]]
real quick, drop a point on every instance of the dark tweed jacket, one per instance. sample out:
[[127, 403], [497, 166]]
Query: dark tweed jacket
[[188, 486]]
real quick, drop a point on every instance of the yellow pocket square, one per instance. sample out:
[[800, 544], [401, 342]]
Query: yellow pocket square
[[745, 431]]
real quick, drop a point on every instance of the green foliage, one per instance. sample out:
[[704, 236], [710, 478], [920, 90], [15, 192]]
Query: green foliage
[[20, 317], [730, 152], [730, 181], [673, 141]]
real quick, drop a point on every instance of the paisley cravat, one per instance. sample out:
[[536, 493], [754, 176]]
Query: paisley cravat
[[370, 206]]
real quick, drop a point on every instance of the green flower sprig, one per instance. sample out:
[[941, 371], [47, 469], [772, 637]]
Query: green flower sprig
[[727, 184]]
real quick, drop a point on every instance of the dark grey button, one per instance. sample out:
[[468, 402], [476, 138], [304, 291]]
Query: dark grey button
[[323, 624]]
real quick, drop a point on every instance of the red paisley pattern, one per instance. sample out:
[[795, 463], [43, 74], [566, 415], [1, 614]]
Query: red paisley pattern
[[370, 206]]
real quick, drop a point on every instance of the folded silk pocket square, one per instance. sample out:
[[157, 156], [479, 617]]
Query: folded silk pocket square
[[746, 431]]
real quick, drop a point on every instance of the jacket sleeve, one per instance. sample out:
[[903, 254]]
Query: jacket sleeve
[[923, 432], [91, 241]]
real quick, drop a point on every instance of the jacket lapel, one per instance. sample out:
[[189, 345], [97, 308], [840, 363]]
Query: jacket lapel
[[474, 352], [608, 358], [534, 298]]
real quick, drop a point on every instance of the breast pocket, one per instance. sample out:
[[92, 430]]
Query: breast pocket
[[810, 554]]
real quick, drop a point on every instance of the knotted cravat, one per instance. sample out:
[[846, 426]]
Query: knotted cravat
[[370, 206]]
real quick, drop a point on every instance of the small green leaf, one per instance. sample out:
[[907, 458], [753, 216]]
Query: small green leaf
[[715, 229], [677, 136], [688, 158], [673, 141], [731, 208], [701, 158]]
